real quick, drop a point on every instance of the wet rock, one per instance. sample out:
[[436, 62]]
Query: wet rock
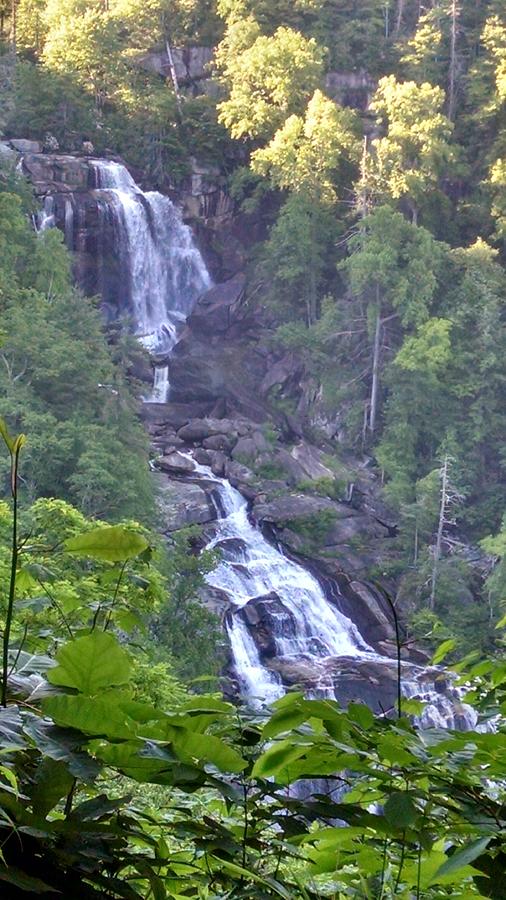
[[266, 617], [231, 547], [176, 464], [182, 504], [215, 600]]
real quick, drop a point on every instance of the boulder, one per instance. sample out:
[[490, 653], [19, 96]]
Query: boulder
[[24, 146], [218, 462], [7, 154], [203, 457], [171, 442], [176, 464], [266, 617], [310, 459], [171, 415], [287, 369], [231, 547], [182, 504], [198, 430], [213, 312], [219, 442], [249, 447], [291, 507], [214, 600], [238, 474]]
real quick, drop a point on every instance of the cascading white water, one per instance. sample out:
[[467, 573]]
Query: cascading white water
[[305, 626], [164, 273], [308, 625], [45, 218]]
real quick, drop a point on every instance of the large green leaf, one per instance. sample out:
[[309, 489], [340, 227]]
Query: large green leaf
[[443, 650], [51, 782], [97, 716], [277, 757], [400, 810], [61, 745], [23, 881], [4, 433], [113, 543], [463, 857], [91, 664], [11, 729], [208, 748]]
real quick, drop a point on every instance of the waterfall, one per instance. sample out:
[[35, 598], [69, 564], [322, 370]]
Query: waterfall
[[304, 627], [45, 218], [162, 272], [307, 625]]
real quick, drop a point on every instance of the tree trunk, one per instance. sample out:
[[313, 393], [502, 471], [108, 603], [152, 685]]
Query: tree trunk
[[452, 74], [173, 75], [363, 199], [14, 23], [400, 12], [440, 528], [375, 367]]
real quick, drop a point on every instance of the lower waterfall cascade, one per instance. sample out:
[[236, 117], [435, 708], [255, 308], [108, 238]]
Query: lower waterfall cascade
[[162, 276], [310, 627]]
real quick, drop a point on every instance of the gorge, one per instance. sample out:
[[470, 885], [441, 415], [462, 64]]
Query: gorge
[[289, 622]]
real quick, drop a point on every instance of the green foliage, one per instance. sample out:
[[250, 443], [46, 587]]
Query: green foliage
[[333, 488], [81, 418], [415, 151], [418, 814], [183, 627], [313, 529], [305, 154], [268, 78]]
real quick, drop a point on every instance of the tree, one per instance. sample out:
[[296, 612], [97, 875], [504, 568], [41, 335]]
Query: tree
[[83, 40], [268, 78], [297, 257], [31, 26], [309, 155], [415, 150], [394, 282]]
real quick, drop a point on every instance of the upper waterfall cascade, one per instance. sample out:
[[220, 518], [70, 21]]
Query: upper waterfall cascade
[[161, 271]]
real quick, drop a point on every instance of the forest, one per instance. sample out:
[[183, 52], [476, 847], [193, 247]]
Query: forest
[[364, 144]]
